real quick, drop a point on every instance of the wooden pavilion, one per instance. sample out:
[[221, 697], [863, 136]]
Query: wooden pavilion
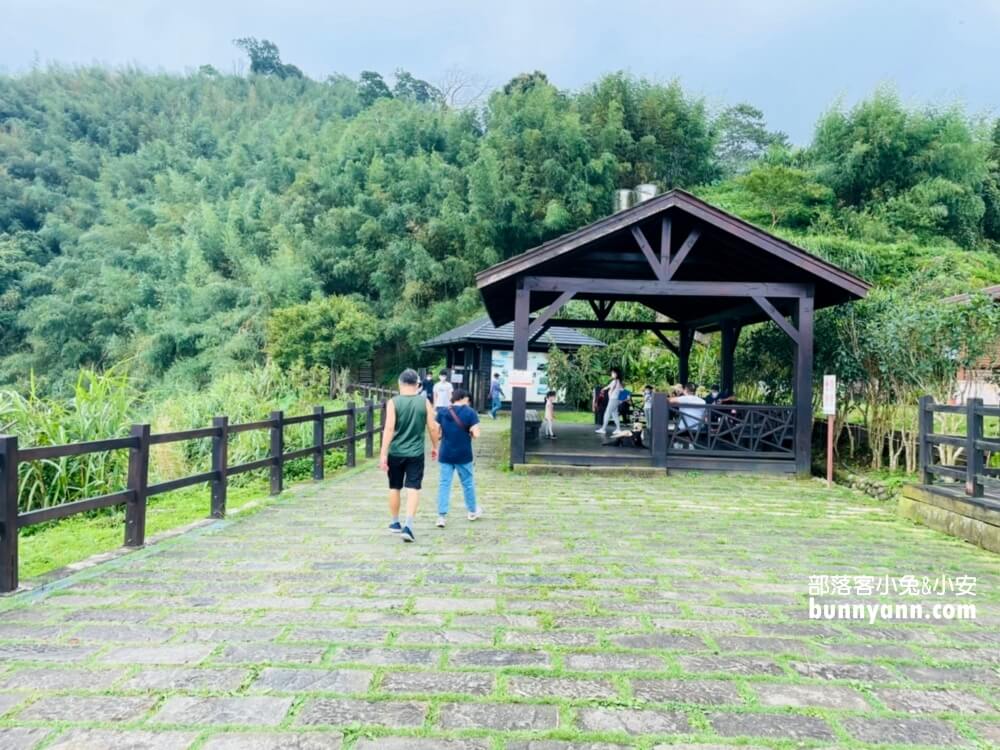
[[701, 270]]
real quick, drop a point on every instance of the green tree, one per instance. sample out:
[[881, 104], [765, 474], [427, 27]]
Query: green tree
[[327, 331]]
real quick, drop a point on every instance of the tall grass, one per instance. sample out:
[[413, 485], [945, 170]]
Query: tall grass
[[102, 405], [105, 405]]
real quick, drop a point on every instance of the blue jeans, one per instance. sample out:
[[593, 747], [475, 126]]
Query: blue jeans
[[468, 486], [494, 406]]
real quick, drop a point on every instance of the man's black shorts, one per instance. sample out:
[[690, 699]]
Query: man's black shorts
[[405, 471]]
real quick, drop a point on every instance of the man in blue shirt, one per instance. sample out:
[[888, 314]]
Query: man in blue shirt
[[496, 395], [459, 425]]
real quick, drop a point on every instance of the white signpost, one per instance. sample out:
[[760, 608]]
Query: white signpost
[[830, 410], [519, 379]]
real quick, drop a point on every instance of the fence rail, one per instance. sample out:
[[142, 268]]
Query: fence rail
[[974, 447], [138, 490]]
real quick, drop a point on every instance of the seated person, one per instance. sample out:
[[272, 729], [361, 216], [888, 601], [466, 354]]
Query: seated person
[[716, 396], [691, 414]]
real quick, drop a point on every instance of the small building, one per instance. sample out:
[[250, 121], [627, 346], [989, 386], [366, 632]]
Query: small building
[[477, 349], [703, 271]]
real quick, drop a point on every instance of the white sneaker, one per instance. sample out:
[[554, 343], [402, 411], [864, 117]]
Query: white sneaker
[[476, 514], [599, 430], [440, 522]]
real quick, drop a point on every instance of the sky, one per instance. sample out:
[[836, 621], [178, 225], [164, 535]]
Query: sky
[[793, 59]]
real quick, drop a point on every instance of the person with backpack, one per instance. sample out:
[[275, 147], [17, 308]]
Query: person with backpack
[[459, 426], [408, 416]]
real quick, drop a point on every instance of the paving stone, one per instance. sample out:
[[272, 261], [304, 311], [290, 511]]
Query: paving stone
[[769, 645], [856, 672], [76, 708], [719, 627], [495, 621], [960, 675], [22, 738], [772, 726], [445, 638], [706, 692], [472, 683], [339, 635], [9, 700], [499, 658], [870, 651], [182, 678], [123, 633], [44, 652], [602, 623], [808, 696], [388, 656], [338, 712], [932, 701], [285, 680], [665, 641], [562, 745], [110, 615], [632, 721], [988, 731], [614, 662], [434, 604], [502, 716], [228, 634], [731, 665], [188, 653], [561, 687], [254, 711], [273, 653], [549, 638], [61, 679], [904, 731], [127, 739], [275, 741], [421, 743]]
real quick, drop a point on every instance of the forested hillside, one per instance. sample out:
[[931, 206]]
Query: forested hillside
[[195, 224]]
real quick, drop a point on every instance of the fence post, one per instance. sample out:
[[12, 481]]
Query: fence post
[[8, 513], [220, 461], [277, 451], [973, 456], [369, 428], [352, 419], [138, 480], [319, 437], [658, 431], [925, 419]]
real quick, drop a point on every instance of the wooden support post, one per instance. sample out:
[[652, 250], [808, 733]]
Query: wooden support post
[[319, 438], [925, 420], [519, 396], [369, 428], [138, 480], [8, 513], [277, 452], [728, 379], [803, 387], [973, 456], [351, 435], [686, 340], [658, 432], [220, 461]]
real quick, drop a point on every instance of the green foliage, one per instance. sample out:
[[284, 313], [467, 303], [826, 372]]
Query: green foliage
[[265, 58], [326, 331], [789, 195]]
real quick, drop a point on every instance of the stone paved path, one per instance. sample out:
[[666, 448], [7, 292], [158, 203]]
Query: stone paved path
[[582, 612]]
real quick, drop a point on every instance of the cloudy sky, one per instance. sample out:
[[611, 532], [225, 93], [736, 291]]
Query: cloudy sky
[[791, 58]]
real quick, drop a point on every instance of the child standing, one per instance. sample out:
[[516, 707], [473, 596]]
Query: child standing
[[550, 415], [459, 426]]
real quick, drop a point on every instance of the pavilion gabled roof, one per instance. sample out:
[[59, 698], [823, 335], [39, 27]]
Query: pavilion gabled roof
[[727, 249], [482, 331]]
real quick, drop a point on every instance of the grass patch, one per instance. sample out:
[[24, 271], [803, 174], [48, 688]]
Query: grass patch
[[60, 543], [574, 417]]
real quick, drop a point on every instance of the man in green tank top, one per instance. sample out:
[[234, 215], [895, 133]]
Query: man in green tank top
[[408, 416]]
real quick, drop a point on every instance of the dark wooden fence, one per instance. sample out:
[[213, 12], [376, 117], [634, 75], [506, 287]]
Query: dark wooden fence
[[976, 447], [138, 490]]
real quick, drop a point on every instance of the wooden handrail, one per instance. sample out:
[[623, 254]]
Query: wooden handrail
[[974, 443], [138, 490]]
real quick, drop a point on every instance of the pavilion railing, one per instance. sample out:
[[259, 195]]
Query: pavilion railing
[[732, 430], [138, 490], [952, 457]]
